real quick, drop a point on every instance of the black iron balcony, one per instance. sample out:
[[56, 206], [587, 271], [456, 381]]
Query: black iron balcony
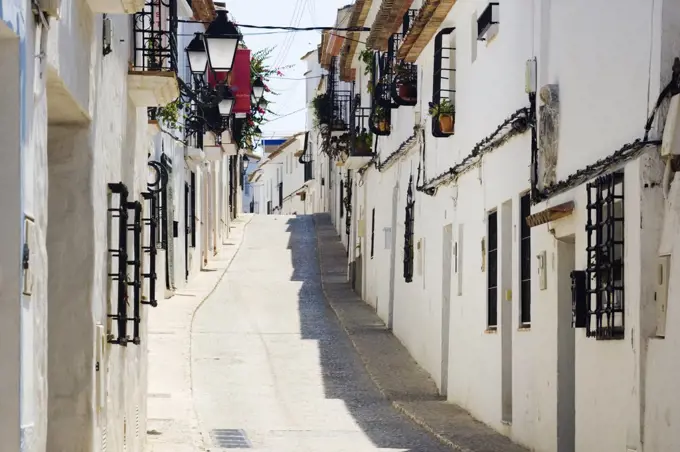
[[360, 136], [403, 76], [153, 64], [155, 37], [360, 133], [341, 102]]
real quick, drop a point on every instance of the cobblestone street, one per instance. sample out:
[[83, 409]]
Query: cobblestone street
[[273, 369]]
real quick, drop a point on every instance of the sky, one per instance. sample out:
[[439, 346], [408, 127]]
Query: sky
[[289, 47]]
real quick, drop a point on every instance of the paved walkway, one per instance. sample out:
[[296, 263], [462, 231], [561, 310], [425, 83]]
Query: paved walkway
[[172, 425], [399, 378], [273, 368], [269, 364]]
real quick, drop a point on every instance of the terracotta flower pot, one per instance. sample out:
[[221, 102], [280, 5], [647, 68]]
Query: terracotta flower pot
[[407, 92], [446, 123]]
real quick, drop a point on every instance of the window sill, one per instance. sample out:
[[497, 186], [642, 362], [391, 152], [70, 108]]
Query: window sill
[[491, 330], [524, 327]]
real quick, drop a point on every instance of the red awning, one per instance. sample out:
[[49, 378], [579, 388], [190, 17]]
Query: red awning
[[239, 80]]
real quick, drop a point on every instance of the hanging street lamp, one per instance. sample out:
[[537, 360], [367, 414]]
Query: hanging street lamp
[[221, 41], [227, 103], [258, 90], [197, 56]]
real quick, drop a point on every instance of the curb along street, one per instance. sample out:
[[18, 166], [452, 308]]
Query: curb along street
[[390, 366]]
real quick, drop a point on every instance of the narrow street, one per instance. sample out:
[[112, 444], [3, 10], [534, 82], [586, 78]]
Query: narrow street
[[273, 370]]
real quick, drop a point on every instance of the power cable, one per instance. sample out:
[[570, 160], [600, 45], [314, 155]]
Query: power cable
[[276, 27]]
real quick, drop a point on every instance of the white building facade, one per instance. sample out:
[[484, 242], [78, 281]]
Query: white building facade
[[525, 259], [81, 265]]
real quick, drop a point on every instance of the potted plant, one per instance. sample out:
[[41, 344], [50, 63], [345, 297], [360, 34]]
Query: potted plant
[[445, 112], [363, 141], [380, 119], [321, 107], [406, 83]]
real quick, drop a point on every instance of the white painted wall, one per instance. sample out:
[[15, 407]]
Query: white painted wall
[[77, 131], [633, 376]]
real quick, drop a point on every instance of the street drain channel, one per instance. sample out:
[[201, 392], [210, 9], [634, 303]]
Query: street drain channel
[[227, 438]]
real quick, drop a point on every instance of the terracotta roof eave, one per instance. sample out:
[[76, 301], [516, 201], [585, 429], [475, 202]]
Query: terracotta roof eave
[[430, 17], [204, 10], [358, 19], [387, 22]]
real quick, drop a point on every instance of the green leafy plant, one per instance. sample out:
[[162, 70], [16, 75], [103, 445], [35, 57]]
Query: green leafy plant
[[363, 141], [321, 106], [170, 114], [444, 107], [367, 57], [379, 119]]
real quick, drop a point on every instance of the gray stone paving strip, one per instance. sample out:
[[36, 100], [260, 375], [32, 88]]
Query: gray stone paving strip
[[172, 423], [389, 364]]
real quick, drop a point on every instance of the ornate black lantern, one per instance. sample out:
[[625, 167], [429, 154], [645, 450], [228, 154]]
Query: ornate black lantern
[[221, 41], [197, 55]]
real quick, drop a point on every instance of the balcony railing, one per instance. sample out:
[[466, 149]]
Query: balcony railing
[[340, 101], [155, 37], [404, 76], [360, 131]]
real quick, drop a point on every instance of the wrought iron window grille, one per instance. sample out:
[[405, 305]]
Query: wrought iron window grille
[[380, 119], [136, 263], [159, 187], [118, 214], [408, 232], [151, 223], [525, 261], [155, 37], [192, 217], [372, 232], [487, 20], [342, 198], [443, 77], [605, 268], [348, 206], [492, 270]]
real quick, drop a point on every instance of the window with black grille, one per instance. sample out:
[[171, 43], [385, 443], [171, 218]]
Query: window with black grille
[[444, 77], [492, 270], [342, 198], [192, 216], [408, 233], [372, 232], [525, 262], [605, 292]]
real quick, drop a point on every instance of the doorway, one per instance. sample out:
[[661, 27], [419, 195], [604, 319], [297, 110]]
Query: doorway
[[447, 258], [566, 347]]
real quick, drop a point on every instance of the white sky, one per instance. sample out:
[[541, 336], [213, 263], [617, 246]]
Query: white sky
[[290, 46]]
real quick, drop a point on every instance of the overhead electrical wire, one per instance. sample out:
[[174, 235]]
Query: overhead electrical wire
[[290, 28]]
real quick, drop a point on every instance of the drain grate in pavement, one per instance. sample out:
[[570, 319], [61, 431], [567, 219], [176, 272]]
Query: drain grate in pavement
[[230, 438]]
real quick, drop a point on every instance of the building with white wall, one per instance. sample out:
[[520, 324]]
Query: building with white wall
[[281, 180], [472, 244], [88, 236], [253, 161]]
